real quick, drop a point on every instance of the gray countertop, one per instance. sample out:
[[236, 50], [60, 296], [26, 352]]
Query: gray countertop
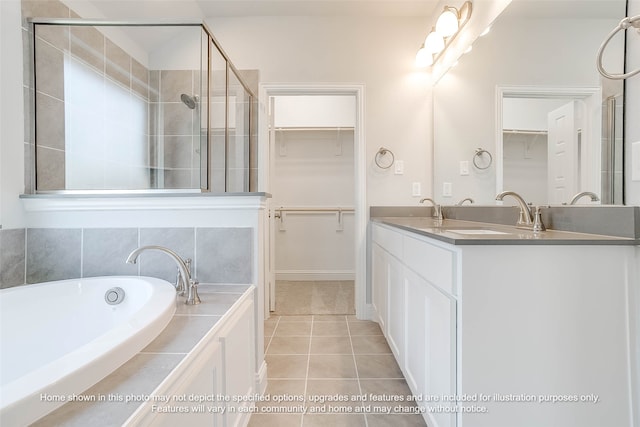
[[458, 232]]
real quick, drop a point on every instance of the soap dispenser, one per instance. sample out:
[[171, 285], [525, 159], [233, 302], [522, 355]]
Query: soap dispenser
[[538, 225]]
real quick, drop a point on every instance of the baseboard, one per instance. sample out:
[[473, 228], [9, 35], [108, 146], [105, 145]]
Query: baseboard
[[311, 275], [261, 378]]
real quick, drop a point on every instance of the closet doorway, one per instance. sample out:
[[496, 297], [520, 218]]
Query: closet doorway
[[315, 210]]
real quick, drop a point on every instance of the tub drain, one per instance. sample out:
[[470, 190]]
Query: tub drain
[[114, 296]]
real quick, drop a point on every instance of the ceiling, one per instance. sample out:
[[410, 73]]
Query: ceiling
[[201, 9]]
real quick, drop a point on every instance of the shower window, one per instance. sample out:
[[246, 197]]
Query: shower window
[[129, 106]]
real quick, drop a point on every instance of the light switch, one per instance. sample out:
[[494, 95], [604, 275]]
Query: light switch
[[415, 189], [399, 167], [447, 189], [464, 167], [635, 161]]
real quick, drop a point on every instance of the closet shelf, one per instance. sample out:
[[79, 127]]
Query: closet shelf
[[283, 129], [525, 132]]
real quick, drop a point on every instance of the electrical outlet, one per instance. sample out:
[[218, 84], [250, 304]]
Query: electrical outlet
[[464, 167], [399, 167], [447, 189], [415, 189]]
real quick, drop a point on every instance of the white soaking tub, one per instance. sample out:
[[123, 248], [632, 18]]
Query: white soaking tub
[[59, 338]]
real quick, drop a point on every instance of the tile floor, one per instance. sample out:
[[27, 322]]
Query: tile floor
[[320, 369], [315, 297]]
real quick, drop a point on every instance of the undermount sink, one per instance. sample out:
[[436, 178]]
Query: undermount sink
[[475, 231]]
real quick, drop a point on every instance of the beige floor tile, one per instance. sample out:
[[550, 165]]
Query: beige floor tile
[[334, 420], [331, 366], [379, 420], [370, 344], [377, 366], [330, 329], [364, 327], [330, 345], [289, 345], [282, 393], [387, 389], [293, 329], [300, 318], [334, 395], [285, 366], [328, 317], [275, 420], [269, 327]]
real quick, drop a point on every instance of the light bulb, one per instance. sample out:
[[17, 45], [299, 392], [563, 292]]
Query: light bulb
[[424, 58], [447, 24], [434, 43]]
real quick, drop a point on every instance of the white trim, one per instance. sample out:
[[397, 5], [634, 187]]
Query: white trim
[[311, 275], [360, 202], [546, 92]]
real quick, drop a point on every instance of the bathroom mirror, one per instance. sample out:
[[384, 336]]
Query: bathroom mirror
[[501, 97], [136, 107]]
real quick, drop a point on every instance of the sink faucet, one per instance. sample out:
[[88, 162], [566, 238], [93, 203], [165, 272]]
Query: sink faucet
[[526, 218], [594, 197], [466, 199], [437, 209], [185, 276]]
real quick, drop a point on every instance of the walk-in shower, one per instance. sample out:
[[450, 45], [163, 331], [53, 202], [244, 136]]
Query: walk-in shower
[[108, 109]]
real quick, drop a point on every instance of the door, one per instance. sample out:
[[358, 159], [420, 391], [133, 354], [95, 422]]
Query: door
[[563, 153]]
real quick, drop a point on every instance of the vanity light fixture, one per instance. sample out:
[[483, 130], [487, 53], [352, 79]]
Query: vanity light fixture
[[448, 26]]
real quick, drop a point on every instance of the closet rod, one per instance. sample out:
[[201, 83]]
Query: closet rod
[[525, 132], [278, 129], [311, 209]]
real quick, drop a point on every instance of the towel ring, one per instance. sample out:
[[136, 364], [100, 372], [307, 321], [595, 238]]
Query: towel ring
[[380, 154], [623, 25], [479, 156]]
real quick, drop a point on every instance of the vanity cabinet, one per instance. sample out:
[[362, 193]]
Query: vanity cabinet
[[416, 314], [497, 335]]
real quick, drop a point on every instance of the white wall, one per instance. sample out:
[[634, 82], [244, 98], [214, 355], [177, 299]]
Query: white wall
[[632, 112], [11, 116], [378, 52]]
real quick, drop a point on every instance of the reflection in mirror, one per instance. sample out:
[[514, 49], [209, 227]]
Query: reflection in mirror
[[536, 53], [136, 115]]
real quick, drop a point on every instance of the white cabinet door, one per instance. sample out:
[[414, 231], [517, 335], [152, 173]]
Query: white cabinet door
[[379, 286], [431, 343], [396, 317]]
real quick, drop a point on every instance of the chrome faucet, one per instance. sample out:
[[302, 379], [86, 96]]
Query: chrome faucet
[[466, 199], [594, 197], [185, 275], [526, 218], [437, 209]]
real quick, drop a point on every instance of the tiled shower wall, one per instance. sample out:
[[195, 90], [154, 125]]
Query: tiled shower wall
[[33, 255]]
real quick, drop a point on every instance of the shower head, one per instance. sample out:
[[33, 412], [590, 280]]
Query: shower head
[[189, 101]]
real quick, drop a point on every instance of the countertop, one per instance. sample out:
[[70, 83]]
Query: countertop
[[458, 232], [127, 387]]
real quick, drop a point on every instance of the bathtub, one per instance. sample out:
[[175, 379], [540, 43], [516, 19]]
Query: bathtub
[[59, 338]]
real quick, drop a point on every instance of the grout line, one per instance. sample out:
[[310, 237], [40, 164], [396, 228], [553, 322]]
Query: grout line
[[271, 337], [355, 364], [306, 377]]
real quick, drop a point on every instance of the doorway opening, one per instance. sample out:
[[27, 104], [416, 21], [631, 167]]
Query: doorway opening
[[313, 169]]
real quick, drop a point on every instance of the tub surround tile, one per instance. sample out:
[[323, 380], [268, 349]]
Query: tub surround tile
[[87, 43], [105, 251], [50, 126], [53, 254], [173, 338], [157, 264], [212, 304], [12, 257], [224, 255], [142, 373]]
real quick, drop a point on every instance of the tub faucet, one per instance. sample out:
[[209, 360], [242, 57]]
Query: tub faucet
[[594, 197], [185, 276], [437, 209], [526, 218]]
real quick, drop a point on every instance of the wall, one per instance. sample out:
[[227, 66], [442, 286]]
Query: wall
[[378, 52], [632, 112]]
